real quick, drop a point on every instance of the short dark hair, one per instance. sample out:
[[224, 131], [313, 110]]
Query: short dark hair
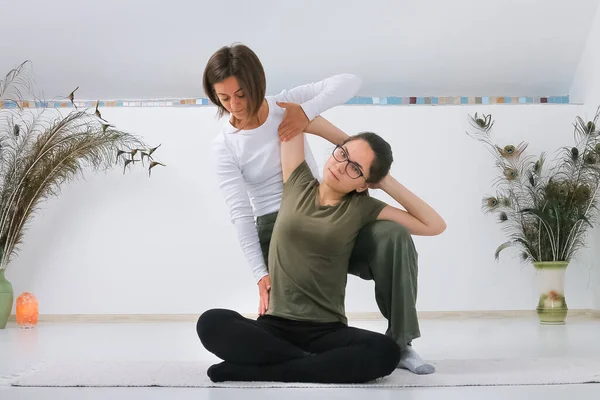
[[382, 162], [241, 62]]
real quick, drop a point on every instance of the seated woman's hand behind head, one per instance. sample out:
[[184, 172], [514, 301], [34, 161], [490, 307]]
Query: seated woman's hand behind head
[[380, 184]]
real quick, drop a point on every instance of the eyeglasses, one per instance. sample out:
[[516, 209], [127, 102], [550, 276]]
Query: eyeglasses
[[340, 155]]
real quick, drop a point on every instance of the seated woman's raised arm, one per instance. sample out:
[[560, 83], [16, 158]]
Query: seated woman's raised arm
[[419, 218], [292, 155]]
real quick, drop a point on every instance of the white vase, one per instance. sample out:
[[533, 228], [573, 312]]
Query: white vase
[[552, 307]]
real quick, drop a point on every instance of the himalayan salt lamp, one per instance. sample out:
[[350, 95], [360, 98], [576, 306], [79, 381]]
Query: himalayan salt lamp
[[27, 310]]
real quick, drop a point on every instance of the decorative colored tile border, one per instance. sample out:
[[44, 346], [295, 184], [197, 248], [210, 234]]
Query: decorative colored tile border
[[110, 103], [459, 100], [390, 100]]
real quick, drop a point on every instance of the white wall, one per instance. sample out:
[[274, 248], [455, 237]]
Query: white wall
[[159, 48], [586, 89], [129, 244], [586, 82]]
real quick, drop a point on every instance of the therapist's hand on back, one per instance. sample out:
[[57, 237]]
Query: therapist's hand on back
[[264, 286], [294, 121]]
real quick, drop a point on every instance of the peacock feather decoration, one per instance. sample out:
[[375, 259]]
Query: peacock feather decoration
[[544, 210], [40, 150]]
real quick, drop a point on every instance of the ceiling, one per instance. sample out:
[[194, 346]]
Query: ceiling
[[157, 49]]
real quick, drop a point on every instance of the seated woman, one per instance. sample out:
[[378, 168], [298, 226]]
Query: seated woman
[[304, 336]]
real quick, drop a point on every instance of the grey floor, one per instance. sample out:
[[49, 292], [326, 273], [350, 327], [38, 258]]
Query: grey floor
[[442, 339]]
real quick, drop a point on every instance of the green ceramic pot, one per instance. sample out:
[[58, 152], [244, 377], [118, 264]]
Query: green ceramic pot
[[6, 299]]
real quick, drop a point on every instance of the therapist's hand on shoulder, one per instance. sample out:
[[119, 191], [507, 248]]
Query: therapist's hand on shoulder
[[264, 286], [294, 121]]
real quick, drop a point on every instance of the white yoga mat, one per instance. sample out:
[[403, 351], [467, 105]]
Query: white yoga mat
[[479, 372]]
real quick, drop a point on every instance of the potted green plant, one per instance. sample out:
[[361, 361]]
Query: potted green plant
[[40, 150], [545, 211]]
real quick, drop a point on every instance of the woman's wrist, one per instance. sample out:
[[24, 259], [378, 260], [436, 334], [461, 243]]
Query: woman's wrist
[[386, 183]]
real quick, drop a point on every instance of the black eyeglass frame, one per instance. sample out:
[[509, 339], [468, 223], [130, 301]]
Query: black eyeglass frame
[[348, 162]]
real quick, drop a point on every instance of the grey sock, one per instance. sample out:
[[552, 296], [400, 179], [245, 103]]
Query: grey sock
[[410, 360]]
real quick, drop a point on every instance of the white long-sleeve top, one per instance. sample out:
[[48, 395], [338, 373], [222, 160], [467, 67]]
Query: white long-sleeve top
[[248, 162]]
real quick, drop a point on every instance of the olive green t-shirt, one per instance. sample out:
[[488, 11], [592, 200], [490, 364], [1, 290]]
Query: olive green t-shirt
[[310, 249]]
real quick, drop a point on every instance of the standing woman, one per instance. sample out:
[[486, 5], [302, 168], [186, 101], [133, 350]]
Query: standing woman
[[248, 165]]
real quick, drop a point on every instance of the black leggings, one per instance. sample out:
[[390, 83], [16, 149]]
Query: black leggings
[[284, 350]]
